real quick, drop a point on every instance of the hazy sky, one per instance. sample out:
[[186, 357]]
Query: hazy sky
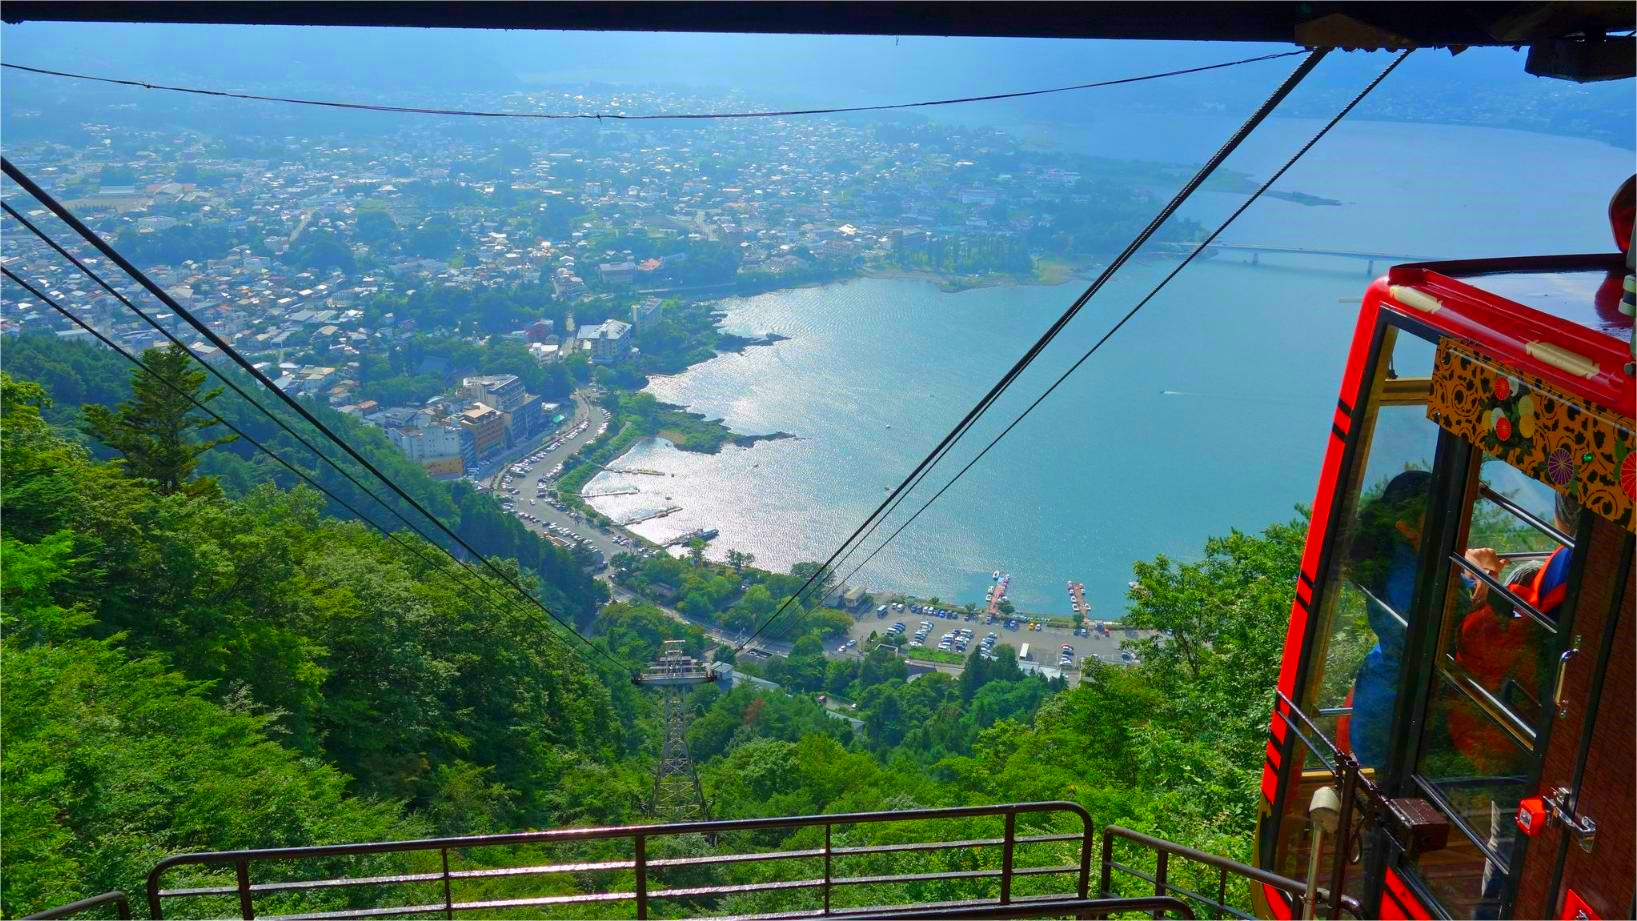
[[817, 68], [463, 66]]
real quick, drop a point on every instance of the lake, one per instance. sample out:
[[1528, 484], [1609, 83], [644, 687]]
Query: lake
[[1209, 411]]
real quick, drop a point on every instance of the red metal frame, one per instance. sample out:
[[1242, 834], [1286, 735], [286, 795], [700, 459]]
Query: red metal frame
[[1399, 901], [1497, 326]]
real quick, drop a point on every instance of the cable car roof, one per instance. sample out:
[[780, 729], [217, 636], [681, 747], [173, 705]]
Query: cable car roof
[[1571, 294], [1553, 316]]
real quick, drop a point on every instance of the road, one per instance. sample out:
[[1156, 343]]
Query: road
[[526, 488], [602, 540]]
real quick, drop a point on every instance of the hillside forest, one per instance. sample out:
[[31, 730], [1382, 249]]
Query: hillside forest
[[201, 652]]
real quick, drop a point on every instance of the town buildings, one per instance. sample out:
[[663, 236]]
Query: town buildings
[[436, 447], [604, 224], [607, 342]]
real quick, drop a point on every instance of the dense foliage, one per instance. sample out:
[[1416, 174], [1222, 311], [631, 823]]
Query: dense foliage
[[174, 658], [211, 667], [78, 373]]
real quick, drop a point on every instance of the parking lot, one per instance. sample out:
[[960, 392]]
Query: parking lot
[[1044, 644]]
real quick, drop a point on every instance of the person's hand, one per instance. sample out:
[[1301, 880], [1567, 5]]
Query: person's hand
[[1486, 559]]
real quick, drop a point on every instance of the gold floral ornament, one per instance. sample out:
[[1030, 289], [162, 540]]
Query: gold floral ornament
[[1526, 416], [1563, 441]]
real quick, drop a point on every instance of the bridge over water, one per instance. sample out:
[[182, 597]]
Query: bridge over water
[[1257, 249]]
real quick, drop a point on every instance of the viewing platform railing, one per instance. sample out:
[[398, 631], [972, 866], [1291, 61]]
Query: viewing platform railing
[[698, 848], [1040, 865], [1215, 904], [116, 902]]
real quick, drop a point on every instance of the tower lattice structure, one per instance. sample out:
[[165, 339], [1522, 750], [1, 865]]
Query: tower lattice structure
[[677, 794]]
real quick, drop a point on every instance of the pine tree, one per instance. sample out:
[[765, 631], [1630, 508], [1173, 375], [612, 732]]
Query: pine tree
[[155, 429]]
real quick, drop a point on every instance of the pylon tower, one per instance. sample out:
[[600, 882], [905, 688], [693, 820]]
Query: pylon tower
[[677, 794]]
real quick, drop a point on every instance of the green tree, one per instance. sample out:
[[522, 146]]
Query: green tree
[[154, 430], [112, 762], [375, 226], [321, 250]]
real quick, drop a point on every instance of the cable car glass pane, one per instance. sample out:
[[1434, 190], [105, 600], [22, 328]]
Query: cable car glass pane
[[1479, 771], [1498, 640], [1375, 558], [1412, 357], [1497, 647], [1353, 670], [1518, 511], [1378, 564]]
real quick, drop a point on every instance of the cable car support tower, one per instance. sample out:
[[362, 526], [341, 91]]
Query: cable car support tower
[[677, 794]]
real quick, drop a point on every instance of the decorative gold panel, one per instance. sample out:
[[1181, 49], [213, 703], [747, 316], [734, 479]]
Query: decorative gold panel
[[1560, 440]]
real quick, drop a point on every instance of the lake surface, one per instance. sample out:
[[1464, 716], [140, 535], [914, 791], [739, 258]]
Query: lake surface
[[1209, 411]]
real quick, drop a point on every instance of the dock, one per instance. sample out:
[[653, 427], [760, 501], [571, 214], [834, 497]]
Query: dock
[[1077, 599], [650, 516], [637, 470], [616, 491], [699, 533], [997, 593]]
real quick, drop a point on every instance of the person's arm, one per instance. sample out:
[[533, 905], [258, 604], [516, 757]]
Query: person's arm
[[1486, 559]]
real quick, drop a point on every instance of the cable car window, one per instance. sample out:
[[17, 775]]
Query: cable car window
[[1491, 676], [1412, 358], [1352, 677], [1375, 559]]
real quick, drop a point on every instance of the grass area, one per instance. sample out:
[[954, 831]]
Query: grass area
[[934, 655], [691, 431], [1049, 271]]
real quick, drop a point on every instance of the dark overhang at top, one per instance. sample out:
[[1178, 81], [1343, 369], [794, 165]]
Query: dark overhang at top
[[1335, 24], [1571, 40]]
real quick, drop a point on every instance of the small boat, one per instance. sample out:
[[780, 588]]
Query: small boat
[[996, 576]]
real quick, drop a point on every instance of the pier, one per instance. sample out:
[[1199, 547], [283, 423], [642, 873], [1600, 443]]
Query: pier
[[637, 470], [616, 491], [1077, 599], [650, 516], [997, 593]]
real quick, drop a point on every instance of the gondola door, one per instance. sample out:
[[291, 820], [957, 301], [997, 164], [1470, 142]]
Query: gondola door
[[1522, 720], [1584, 842]]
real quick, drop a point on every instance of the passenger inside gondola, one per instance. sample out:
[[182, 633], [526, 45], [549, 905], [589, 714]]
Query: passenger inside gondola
[[1506, 651], [1384, 560]]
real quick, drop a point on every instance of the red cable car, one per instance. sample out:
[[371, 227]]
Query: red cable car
[[1453, 732]]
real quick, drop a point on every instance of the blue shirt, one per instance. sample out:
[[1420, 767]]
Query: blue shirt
[[1375, 689]]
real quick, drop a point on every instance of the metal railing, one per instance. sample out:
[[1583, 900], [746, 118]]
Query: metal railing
[[121, 904], [1153, 905], [264, 874], [1217, 905], [1358, 795]]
